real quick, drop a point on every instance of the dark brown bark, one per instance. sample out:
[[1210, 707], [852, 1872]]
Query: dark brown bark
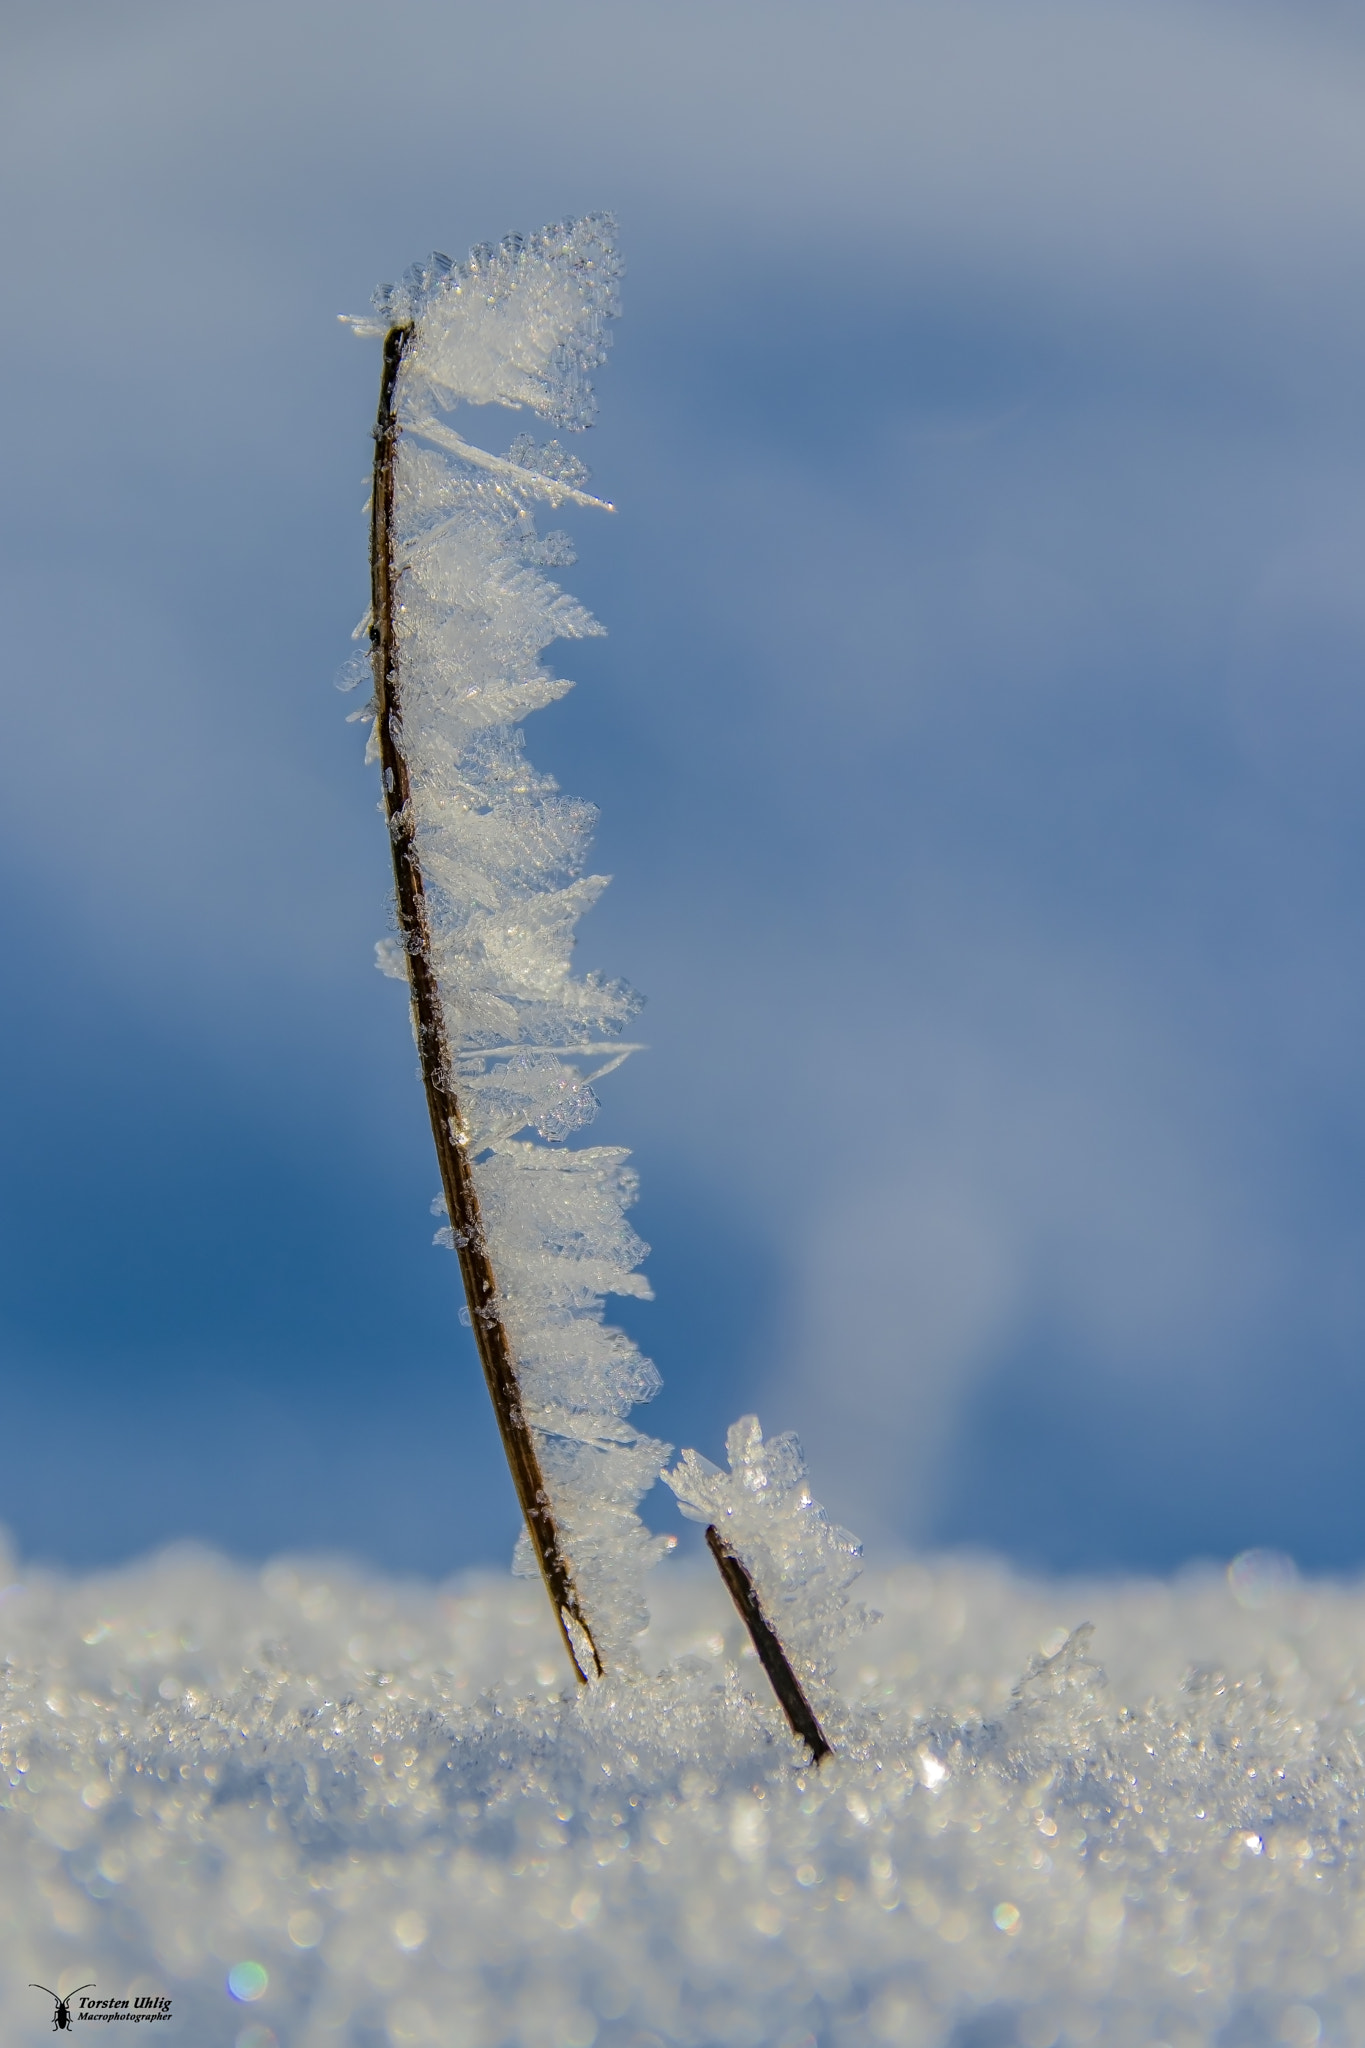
[[771, 1655], [447, 1126]]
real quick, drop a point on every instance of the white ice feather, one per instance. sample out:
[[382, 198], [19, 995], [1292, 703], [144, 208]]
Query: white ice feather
[[502, 854]]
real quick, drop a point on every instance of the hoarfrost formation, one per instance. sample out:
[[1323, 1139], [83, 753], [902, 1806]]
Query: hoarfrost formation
[[390, 1801], [502, 855], [800, 1562]]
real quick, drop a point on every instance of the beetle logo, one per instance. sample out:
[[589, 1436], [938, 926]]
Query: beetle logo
[[61, 2007]]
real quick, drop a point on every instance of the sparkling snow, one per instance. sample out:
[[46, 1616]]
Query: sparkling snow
[[315, 1806]]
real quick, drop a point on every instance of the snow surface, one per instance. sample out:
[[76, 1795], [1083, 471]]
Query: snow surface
[[392, 1799]]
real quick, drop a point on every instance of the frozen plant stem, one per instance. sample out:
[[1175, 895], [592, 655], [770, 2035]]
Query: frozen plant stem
[[786, 1566], [447, 1125], [771, 1655]]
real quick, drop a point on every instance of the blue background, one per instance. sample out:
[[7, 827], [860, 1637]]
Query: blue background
[[979, 741]]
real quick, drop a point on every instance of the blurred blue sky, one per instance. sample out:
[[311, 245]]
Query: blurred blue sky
[[979, 739]]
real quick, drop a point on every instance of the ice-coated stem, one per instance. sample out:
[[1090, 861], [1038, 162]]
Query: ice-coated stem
[[447, 1125], [771, 1655]]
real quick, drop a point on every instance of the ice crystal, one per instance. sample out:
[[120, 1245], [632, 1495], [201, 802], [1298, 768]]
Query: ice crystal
[[503, 856], [801, 1563], [522, 324], [385, 1812]]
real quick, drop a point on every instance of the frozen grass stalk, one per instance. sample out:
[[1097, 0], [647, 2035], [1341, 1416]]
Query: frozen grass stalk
[[488, 861], [769, 1651], [786, 1566], [448, 1128]]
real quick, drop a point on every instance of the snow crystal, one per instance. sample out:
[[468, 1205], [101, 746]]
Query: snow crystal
[[503, 853], [522, 324], [801, 1564], [316, 1807]]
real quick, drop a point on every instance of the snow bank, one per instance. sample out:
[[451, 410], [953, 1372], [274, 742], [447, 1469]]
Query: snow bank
[[388, 1799]]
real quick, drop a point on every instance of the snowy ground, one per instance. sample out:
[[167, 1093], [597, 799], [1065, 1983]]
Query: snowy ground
[[386, 1798]]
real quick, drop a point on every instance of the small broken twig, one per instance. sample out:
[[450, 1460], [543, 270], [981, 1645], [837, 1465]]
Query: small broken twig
[[447, 1125], [771, 1655]]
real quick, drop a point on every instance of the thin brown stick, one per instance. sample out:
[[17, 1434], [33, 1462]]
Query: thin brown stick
[[771, 1655], [447, 1125]]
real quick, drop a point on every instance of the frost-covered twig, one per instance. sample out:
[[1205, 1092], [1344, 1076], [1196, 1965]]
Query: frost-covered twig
[[769, 1651], [487, 861], [447, 1122], [786, 1565]]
